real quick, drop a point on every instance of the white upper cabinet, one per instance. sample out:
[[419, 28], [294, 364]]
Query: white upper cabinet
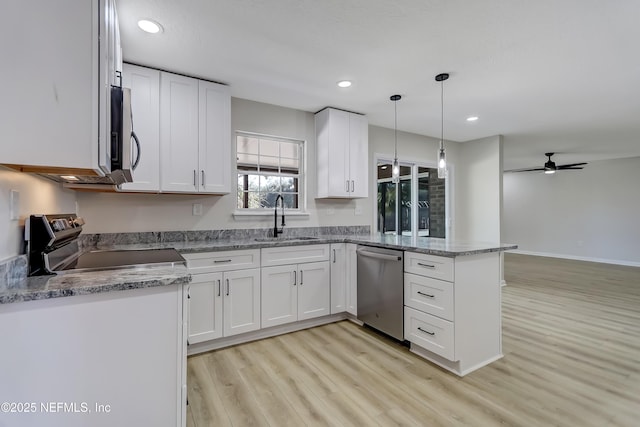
[[214, 138], [179, 138], [145, 108], [342, 141], [194, 135], [57, 84]]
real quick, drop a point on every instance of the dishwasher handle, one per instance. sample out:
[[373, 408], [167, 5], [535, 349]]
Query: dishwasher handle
[[376, 255]]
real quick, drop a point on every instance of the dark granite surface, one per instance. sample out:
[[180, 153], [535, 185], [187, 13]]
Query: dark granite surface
[[15, 286], [45, 287]]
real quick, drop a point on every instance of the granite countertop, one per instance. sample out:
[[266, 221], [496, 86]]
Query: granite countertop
[[427, 245], [81, 283]]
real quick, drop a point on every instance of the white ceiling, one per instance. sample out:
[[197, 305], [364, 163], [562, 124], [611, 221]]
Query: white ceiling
[[549, 75]]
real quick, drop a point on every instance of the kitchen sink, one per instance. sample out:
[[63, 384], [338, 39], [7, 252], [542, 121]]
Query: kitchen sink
[[285, 239]]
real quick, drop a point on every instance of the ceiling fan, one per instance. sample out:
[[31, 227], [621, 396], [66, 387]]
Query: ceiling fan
[[551, 167]]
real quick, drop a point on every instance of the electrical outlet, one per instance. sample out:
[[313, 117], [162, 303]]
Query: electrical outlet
[[14, 205], [196, 209], [331, 211], [358, 210]]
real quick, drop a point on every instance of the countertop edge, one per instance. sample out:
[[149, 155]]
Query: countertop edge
[[138, 281]]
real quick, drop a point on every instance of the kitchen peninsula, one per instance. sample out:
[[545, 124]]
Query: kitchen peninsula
[[123, 333]]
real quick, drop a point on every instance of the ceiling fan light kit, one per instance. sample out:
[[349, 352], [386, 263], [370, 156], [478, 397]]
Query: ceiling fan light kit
[[442, 161], [550, 166]]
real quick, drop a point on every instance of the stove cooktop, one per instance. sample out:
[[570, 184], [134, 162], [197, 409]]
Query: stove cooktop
[[110, 259]]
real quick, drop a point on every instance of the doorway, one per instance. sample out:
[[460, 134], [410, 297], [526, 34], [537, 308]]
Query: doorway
[[415, 205]]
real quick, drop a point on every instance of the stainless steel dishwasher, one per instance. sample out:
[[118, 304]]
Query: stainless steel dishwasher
[[381, 290]]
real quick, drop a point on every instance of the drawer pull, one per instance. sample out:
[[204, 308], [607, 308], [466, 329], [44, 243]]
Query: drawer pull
[[227, 287], [295, 277], [426, 265], [426, 295], [219, 287], [220, 261], [426, 332]]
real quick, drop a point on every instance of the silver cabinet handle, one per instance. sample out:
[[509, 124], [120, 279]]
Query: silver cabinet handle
[[426, 265], [426, 295], [353, 186], [426, 332], [295, 277], [203, 176], [227, 287], [217, 261], [301, 277], [347, 186], [334, 256], [219, 286], [195, 183]]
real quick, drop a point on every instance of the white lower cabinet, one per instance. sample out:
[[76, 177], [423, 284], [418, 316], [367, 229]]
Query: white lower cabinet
[[452, 313], [338, 278], [351, 260], [295, 292], [223, 303]]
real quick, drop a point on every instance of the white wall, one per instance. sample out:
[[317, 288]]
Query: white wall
[[478, 190], [591, 214], [37, 196], [105, 212]]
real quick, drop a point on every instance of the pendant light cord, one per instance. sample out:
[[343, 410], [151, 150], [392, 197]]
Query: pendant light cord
[[441, 114], [395, 129]]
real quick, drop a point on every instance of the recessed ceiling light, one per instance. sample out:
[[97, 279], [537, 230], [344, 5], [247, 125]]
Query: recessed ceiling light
[[149, 26], [472, 118], [70, 177], [344, 83]]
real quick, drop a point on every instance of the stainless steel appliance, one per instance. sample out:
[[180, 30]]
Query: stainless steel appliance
[[122, 163], [52, 248], [381, 289]]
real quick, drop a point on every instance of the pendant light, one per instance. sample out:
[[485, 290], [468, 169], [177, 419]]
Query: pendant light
[[395, 170], [442, 161]]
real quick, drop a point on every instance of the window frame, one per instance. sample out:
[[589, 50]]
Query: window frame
[[301, 210]]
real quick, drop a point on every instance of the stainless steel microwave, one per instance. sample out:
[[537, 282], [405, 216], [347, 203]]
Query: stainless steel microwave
[[122, 137]]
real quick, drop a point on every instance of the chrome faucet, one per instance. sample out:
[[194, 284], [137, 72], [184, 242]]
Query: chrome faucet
[[277, 231]]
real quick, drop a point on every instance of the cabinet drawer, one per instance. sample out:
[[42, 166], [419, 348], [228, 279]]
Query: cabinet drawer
[[429, 265], [211, 262], [294, 254], [429, 295], [429, 332]]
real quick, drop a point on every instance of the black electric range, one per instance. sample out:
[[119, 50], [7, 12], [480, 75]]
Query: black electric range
[[53, 249]]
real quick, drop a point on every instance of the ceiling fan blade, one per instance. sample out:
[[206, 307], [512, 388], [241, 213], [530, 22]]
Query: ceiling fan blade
[[525, 170], [570, 165], [570, 168]]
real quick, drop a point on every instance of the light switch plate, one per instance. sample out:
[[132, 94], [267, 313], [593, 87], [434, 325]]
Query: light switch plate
[[197, 209], [14, 205]]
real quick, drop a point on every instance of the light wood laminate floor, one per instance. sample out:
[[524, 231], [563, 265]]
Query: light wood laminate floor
[[571, 344]]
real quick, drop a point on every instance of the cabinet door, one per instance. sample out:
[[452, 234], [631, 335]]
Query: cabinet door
[[313, 290], [332, 139], [50, 118], [241, 301], [352, 279], [338, 278], [214, 138], [178, 133], [145, 109], [279, 295], [205, 307], [358, 156]]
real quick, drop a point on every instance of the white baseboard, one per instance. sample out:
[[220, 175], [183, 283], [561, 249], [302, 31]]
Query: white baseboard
[[578, 258], [216, 344]]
